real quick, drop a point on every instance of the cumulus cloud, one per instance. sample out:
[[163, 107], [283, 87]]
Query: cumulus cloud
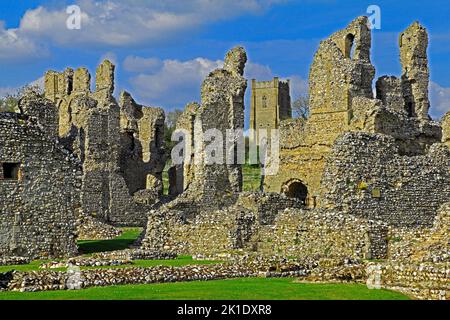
[[173, 83], [139, 64], [118, 23], [15, 46], [439, 99]]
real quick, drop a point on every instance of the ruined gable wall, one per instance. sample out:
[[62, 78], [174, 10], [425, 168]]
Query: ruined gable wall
[[337, 77], [39, 210], [365, 176]]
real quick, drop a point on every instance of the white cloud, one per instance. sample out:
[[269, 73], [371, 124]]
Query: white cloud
[[118, 23], [440, 100], [15, 46], [173, 83], [139, 64]]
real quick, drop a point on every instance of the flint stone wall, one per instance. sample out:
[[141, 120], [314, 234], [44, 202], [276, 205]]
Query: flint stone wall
[[38, 210], [257, 223], [365, 176]]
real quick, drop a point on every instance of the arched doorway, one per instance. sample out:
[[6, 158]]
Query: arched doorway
[[296, 189]]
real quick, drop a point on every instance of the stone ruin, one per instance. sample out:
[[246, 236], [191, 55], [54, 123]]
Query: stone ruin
[[365, 177], [40, 184], [120, 144], [379, 159], [75, 162], [409, 162]]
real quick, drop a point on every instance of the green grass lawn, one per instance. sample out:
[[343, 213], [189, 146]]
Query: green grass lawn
[[235, 289], [126, 239], [251, 178]]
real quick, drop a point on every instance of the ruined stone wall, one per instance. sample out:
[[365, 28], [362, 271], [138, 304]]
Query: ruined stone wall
[[421, 245], [142, 143], [337, 75], [424, 281], [445, 123], [40, 201], [182, 175], [222, 109], [341, 100], [269, 225], [118, 145], [415, 71], [193, 229], [367, 177]]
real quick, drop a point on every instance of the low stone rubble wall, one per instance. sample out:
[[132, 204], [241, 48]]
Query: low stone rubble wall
[[52, 280], [90, 228], [13, 261], [425, 281]]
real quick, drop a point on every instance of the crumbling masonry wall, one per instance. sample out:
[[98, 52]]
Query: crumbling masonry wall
[[367, 177], [40, 201], [337, 75], [222, 109], [119, 146], [445, 123], [341, 100]]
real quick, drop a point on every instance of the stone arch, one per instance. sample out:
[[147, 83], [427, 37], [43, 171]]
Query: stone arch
[[295, 188], [349, 45]]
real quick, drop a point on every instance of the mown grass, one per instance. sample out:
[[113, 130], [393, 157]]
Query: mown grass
[[234, 289], [129, 235], [126, 239]]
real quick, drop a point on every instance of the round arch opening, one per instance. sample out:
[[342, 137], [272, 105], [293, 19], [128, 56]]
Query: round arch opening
[[297, 190]]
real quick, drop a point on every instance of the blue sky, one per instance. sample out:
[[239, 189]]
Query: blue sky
[[163, 49]]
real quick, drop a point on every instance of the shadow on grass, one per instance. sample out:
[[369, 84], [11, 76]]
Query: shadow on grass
[[122, 242]]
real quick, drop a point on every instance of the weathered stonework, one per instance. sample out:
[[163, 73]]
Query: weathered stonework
[[341, 100], [40, 184], [222, 109], [445, 123], [367, 177]]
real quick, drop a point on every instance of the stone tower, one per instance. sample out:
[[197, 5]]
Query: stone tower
[[270, 104]]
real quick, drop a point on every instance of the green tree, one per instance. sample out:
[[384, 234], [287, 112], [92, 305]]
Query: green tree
[[300, 107], [170, 126]]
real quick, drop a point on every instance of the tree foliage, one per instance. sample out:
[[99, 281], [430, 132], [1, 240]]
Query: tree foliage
[[170, 126], [300, 107]]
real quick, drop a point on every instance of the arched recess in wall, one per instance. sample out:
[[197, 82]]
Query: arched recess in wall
[[295, 189], [349, 45]]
